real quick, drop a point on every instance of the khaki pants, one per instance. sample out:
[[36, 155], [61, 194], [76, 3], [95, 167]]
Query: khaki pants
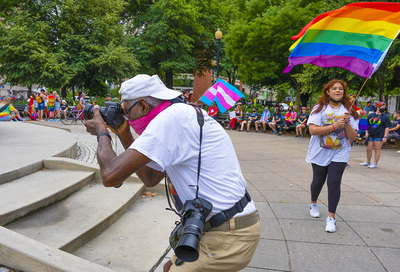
[[226, 251]]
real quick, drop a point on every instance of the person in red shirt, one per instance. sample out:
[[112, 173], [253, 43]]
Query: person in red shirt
[[213, 110]]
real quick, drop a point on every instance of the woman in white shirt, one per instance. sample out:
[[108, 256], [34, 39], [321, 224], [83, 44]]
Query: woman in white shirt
[[333, 127]]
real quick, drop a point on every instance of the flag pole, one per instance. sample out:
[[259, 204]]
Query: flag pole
[[352, 104], [212, 83]]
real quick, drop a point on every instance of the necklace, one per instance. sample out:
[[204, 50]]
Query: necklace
[[335, 108]]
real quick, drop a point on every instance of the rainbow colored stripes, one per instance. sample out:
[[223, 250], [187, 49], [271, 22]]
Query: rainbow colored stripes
[[223, 93], [355, 37]]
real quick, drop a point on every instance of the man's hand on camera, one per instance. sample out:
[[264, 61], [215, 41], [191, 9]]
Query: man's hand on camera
[[97, 124]]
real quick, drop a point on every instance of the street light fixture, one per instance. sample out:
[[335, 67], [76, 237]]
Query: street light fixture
[[218, 36]]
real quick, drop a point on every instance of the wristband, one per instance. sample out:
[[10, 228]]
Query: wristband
[[334, 129], [384, 136], [103, 133]]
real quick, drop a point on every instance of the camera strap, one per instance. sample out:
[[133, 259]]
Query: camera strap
[[200, 121], [224, 216]]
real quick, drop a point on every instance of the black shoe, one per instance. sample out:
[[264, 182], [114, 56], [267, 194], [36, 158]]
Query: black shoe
[[301, 135], [273, 132], [279, 134], [297, 136], [256, 131], [264, 131]]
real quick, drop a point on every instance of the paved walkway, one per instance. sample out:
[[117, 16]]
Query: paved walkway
[[368, 216]]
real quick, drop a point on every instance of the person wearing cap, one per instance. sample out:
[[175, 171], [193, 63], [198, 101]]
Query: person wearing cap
[[169, 142], [302, 122], [63, 109], [377, 134]]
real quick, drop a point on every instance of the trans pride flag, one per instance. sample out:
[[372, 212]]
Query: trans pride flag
[[355, 37], [223, 93]]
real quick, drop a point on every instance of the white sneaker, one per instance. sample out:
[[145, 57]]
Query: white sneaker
[[314, 211], [365, 164], [330, 224], [373, 165]]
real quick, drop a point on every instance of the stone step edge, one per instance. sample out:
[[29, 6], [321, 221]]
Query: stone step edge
[[101, 226], [25, 254], [71, 164], [31, 208]]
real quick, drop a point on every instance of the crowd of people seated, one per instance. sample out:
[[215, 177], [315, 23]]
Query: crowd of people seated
[[279, 120]]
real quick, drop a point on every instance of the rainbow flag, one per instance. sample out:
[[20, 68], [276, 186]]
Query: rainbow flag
[[355, 37], [223, 93]]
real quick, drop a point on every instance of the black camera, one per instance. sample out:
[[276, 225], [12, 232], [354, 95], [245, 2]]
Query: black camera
[[111, 113], [194, 215]]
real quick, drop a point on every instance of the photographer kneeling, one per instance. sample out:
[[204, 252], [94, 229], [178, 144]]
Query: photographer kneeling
[[220, 224]]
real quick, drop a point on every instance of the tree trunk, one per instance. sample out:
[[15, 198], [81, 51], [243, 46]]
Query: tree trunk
[[304, 97], [29, 90], [169, 79], [64, 91], [397, 74], [229, 78], [298, 91], [381, 86]]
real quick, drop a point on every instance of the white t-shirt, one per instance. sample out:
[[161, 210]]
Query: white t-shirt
[[172, 140], [334, 146]]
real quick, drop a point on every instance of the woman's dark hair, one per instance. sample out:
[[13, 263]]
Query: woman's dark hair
[[324, 99]]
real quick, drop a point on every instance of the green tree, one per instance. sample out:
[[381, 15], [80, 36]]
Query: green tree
[[68, 43], [259, 40], [175, 36]]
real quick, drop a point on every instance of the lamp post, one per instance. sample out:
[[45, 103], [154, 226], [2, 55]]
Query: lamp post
[[213, 64], [218, 36]]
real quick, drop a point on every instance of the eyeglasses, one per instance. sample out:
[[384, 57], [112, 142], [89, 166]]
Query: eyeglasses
[[125, 115]]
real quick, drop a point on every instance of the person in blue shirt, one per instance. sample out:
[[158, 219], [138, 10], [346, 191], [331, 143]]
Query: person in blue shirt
[[251, 120], [302, 122], [277, 119], [368, 107], [264, 120], [376, 134]]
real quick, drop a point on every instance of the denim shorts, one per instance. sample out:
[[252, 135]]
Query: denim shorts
[[370, 139], [41, 106], [5, 118]]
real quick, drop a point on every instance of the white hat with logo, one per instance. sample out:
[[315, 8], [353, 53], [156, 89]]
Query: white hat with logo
[[145, 85]]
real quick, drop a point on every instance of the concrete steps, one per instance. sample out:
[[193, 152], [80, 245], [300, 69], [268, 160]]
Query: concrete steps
[[65, 210], [138, 240], [72, 222], [38, 190]]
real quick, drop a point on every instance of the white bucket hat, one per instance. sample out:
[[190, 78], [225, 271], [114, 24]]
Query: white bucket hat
[[145, 85]]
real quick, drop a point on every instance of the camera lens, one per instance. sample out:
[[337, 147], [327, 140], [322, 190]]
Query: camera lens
[[88, 112], [188, 246]]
